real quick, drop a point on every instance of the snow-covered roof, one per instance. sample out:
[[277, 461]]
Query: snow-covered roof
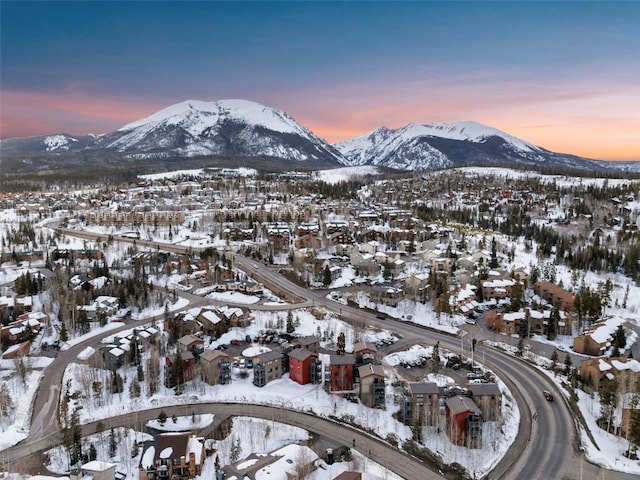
[[630, 364], [603, 330], [603, 366]]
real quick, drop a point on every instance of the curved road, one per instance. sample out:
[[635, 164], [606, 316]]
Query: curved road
[[544, 448]]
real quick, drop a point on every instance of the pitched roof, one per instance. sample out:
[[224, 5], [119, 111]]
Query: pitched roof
[[461, 404], [480, 389], [342, 360], [421, 388], [370, 369], [301, 354]]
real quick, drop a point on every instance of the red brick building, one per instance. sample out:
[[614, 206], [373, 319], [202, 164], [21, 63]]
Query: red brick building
[[301, 362], [341, 369], [464, 422]]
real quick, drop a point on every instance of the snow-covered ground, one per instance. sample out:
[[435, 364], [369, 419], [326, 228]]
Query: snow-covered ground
[[289, 395], [247, 435]]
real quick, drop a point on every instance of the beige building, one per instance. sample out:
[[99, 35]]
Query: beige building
[[597, 372], [488, 398], [372, 387], [216, 368], [424, 403]]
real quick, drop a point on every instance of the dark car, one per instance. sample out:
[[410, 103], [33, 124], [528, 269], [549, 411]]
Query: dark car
[[548, 396]]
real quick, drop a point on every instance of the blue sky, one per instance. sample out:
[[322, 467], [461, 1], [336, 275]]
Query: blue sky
[[563, 75]]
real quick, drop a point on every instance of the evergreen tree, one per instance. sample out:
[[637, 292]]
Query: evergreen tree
[[554, 359], [520, 348], [64, 335], [341, 344], [162, 417], [177, 370], [493, 262], [567, 364], [326, 277], [93, 452], [112, 443], [435, 359], [290, 327], [525, 325], [552, 326]]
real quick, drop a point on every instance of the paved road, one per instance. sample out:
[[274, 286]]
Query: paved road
[[545, 447]]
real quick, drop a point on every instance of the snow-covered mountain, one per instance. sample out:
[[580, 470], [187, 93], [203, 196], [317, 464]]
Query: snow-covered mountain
[[225, 127], [240, 130], [423, 147], [231, 128]]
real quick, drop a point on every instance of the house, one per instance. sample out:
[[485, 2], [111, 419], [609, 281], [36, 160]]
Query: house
[[309, 342], [364, 264], [511, 323], [215, 367], [291, 462], [599, 372], [372, 387], [463, 300], [17, 350], [114, 357], [555, 295], [416, 286], [386, 295], [596, 340], [303, 366], [497, 289], [488, 398], [99, 470], [190, 343], [364, 352], [341, 372], [172, 456], [441, 266], [422, 403], [464, 422], [266, 367], [213, 324]]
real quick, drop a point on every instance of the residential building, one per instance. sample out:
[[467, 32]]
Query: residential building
[[216, 367], [99, 470], [464, 422], [598, 372], [267, 367], [364, 352], [488, 398], [172, 456], [341, 372], [372, 386], [302, 366], [596, 340], [555, 295], [422, 403], [310, 343]]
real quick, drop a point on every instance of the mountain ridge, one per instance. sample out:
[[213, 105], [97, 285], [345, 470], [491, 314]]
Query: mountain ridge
[[246, 129]]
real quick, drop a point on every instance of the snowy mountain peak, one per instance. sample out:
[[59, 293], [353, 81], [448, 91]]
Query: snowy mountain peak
[[423, 146], [197, 115]]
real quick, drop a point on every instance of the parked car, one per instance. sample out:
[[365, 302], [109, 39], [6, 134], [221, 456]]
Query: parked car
[[548, 395], [235, 342]]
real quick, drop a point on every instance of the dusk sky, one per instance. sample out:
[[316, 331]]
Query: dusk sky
[[562, 75]]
